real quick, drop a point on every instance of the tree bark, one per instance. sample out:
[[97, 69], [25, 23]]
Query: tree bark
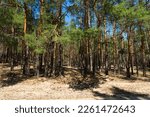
[[106, 48], [114, 49], [25, 48], [143, 52]]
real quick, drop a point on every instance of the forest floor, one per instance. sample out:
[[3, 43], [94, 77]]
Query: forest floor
[[14, 87]]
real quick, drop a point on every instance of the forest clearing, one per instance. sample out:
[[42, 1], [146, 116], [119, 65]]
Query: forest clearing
[[114, 88], [75, 49]]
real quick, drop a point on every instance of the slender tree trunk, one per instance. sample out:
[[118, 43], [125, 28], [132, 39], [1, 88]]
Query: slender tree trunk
[[61, 71], [94, 63], [106, 48], [86, 41], [52, 57], [25, 45], [55, 59], [99, 50], [122, 53], [41, 62], [143, 52], [11, 58], [11, 53], [148, 47], [114, 48], [46, 64], [136, 56], [129, 56], [37, 72], [132, 51]]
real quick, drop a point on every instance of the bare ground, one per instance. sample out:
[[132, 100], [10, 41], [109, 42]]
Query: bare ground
[[59, 88]]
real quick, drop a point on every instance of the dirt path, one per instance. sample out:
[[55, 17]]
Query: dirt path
[[44, 88]]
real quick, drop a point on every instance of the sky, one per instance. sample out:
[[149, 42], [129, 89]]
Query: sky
[[67, 19], [68, 16]]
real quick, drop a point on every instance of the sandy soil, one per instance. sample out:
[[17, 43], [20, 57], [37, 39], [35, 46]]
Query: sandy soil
[[47, 88]]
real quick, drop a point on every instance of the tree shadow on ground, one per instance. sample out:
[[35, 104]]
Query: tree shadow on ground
[[84, 83], [121, 94], [11, 78], [14, 77], [136, 78], [78, 82]]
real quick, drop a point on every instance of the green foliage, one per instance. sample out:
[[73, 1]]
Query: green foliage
[[65, 39], [6, 16], [76, 34], [69, 36], [36, 44], [92, 33], [129, 14], [30, 38], [18, 17], [40, 46]]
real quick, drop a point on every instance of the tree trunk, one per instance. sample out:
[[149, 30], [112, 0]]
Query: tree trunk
[[143, 52], [86, 41], [136, 56], [12, 52], [129, 55], [25, 45], [114, 48], [41, 62], [46, 64], [52, 58], [37, 73], [132, 51], [106, 48]]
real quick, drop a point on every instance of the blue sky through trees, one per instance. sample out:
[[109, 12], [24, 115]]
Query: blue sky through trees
[[35, 7]]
